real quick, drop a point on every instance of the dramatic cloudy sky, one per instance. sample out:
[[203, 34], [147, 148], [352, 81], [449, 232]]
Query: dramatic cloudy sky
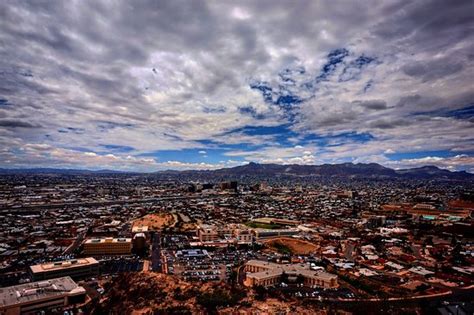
[[149, 85]]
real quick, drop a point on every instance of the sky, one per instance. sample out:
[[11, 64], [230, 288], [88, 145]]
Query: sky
[[154, 85]]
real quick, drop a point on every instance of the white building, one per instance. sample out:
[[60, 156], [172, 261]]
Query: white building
[[44, 296]]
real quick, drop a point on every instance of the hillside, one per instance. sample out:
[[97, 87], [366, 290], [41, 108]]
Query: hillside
[[343, 170]]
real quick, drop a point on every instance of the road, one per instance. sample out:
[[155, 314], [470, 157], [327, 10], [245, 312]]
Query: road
[[105, 203], [156, 252], [416, 250], [348, 252], [241, 274], [77, 242]]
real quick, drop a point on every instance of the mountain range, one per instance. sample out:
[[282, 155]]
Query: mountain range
[[359, 170], [349, 170]]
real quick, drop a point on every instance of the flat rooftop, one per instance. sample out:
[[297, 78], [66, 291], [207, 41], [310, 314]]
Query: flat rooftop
[[65, 264], [192, 253], [107, 240], [273, 269], [30, 292], [140, 229]]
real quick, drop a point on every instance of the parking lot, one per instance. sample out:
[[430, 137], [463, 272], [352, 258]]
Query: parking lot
[[299, 291], [212, 273], [119, 265]]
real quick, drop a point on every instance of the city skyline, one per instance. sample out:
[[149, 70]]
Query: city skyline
[[148, 86]]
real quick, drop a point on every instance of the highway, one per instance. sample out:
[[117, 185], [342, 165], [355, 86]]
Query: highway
[[23, 208]]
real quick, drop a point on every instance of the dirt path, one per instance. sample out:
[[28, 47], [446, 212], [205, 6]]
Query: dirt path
[[146, 265]]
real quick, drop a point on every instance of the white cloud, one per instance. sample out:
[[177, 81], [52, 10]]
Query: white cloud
[[79, 79], [452, 163]]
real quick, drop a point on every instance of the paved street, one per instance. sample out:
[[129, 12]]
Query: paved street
[[156, 252]]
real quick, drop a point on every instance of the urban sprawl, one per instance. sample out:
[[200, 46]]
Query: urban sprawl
[[67, 242]]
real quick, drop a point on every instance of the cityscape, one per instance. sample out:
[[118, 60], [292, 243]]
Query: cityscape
[[188, 242], [236, 157]]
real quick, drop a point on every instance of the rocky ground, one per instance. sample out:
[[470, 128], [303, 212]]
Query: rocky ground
[[154, 293], [155, 221]]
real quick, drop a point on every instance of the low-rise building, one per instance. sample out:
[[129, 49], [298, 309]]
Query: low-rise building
[[263, 273], [108, 246], [74, 268], [140, 229], [43, 297], [243, 236], [228, 233], [207, 233]]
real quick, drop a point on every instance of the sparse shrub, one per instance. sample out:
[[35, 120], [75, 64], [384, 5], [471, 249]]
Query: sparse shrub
[[260, 293], [177, 309], [218, 298]]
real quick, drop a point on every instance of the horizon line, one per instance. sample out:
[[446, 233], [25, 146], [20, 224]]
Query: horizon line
[[98, 170]]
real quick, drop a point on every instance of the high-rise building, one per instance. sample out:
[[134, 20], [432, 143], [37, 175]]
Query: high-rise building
[[139, 243]]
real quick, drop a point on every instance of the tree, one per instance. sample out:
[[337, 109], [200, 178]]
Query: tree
[[260, 293]]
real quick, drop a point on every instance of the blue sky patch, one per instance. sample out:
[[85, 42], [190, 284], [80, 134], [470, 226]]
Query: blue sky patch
[[462, 113], [335, 58], [250, 110]]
